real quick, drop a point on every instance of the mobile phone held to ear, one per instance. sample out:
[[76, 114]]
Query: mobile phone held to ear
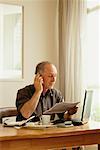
[[40, 76]]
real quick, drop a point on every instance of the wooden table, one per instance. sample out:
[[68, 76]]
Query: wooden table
[[47, 138]]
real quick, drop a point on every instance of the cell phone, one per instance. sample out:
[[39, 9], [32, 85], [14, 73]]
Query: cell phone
[[39, 75]]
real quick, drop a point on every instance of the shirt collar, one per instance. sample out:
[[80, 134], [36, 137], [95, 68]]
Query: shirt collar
[[48, 92]]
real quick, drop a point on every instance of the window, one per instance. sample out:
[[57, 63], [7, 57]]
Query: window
[[92, 55], [10, 41]]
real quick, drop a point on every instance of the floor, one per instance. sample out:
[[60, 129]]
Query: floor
[[89, 147], [93, 147]]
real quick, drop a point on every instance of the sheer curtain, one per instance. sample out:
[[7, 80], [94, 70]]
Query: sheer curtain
[[71, 36]]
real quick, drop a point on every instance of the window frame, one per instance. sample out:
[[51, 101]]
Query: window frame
[[14, 77]]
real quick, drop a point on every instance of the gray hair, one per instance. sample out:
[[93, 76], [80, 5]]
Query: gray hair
[[40, 66]]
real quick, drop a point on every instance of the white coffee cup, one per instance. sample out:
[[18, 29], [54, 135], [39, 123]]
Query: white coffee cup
[[45, 119]]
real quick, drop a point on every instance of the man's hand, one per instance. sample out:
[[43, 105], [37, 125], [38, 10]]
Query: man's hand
[[29, 107], [38, 83], [67, 116], [72, 110]]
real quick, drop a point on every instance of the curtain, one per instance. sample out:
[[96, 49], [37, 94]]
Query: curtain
[[71, 36]]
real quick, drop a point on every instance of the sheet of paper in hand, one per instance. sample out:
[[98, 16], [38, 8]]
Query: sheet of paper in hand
[[60, 108]]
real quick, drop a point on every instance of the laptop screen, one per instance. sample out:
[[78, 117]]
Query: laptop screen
[[86, 110]]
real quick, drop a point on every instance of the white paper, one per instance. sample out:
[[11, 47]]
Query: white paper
[[17, 123], [60, 108]]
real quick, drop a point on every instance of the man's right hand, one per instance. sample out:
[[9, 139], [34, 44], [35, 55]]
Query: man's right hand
[[38, 83], [29, 107]]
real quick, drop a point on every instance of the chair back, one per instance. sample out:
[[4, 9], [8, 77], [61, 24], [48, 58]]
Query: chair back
[[7, 112]]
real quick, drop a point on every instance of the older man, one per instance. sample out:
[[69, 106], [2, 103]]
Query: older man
[[40, 96]]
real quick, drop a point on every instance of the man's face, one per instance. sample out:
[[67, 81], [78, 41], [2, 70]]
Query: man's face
[[49, 76]]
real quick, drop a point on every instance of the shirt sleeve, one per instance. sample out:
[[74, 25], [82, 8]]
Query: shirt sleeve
[[23, 95]]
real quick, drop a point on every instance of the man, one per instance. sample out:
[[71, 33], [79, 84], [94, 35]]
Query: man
[[36, 98]]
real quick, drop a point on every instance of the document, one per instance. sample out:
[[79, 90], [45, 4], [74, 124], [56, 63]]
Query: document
[[60, 108], [16, 123]]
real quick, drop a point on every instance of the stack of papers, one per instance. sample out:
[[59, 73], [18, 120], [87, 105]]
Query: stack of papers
[[60, 108], [16, 123]]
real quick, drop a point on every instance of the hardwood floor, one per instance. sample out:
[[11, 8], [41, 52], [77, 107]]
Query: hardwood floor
[[94, 147]]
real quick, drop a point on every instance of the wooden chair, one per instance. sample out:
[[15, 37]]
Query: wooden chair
[[7, 112]]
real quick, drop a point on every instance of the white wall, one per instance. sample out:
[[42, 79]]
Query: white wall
[[40, 43]]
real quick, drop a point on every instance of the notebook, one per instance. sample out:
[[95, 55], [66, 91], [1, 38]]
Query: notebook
[[86, 109]]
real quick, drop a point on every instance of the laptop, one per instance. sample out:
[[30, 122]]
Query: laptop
[[86, 109]]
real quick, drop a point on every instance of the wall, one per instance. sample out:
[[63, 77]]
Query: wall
[[40, 43]]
